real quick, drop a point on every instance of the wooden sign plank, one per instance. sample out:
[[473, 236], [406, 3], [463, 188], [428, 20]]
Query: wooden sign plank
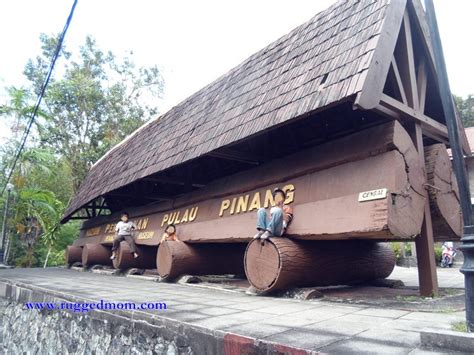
[[322, 183]]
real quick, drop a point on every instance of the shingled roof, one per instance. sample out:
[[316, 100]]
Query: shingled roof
[[319, 63]]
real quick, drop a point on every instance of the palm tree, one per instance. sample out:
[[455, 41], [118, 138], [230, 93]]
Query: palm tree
[[37, 210]]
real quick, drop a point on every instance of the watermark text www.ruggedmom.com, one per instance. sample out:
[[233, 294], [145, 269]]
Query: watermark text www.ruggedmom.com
[[101, 305]]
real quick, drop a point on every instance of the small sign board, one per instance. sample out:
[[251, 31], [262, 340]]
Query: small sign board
[[372, 195]]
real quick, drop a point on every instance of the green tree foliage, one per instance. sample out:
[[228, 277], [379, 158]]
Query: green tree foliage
[[36, 209], [98, 100], [466, 109], [93, 101]]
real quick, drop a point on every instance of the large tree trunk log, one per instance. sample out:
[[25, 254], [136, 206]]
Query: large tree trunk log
[[73, 254], [125, 259], [178, 258], [93, 254], [443, 194], [324, 183], [281, 262], [326, 205]]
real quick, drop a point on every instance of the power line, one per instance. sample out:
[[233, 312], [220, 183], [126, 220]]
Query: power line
[[40, 96]]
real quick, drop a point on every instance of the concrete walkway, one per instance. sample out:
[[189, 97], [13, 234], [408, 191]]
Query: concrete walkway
[[311, 325]]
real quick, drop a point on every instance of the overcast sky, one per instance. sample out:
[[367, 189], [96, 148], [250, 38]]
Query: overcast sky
[[194, 41]]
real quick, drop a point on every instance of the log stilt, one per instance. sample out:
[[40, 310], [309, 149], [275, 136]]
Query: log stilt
[[178, 258], [281, 263], [73, 254], [443, 190], [96, 254], [125, 259]]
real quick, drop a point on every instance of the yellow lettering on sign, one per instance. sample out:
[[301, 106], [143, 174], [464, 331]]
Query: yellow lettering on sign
[[290, 193], [178, 217], [165, 219], [255, 204], [110, 228], [145, 235], [142, 223], [268, 199], [193, 213], [240, 204], [232, 206], [185, 217], [109, 238], [225, 204], [93, 232]]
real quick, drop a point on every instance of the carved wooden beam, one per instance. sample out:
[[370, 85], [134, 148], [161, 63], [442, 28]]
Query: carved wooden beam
[[396, 109], [146, 197], [422, 84], [171, 181], [407, 63], [399, 82], [236, 156]]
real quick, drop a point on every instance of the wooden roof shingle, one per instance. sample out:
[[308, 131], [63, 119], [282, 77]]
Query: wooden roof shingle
[[319, 63]]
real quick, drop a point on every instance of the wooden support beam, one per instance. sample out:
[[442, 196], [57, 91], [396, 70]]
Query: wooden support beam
[[396, 72], [422, 84], [236, 156], [148, 197], [171, 181], [374, 83], [430, 126], [94, 208], [421, 26], [425, 242], [408, 63], [102, 207]]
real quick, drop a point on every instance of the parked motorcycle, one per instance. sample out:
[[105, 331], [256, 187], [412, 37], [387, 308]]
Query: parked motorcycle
[[448, 254]]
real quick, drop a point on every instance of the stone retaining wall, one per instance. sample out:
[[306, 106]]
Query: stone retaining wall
[[100, 332]]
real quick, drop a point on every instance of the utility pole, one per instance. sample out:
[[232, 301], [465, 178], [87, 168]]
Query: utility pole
[[4, 227], [458, 164]]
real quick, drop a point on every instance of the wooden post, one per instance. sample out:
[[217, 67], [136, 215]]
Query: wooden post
[[425, 242]]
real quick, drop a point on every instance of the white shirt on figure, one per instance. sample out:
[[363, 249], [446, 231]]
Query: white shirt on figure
[[125, 228]]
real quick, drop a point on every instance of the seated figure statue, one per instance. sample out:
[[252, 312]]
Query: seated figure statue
[[169, 234], [281, 216]]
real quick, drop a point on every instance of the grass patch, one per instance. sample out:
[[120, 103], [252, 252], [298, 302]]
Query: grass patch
[[459, 327], [409, 298]]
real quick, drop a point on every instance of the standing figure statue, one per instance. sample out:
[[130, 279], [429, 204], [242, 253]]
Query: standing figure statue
[[281, 216], [123, 231]]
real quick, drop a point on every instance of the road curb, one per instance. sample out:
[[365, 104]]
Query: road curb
[[447, 340]]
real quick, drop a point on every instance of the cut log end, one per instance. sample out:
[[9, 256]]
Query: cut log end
[[93, 254], [262, 263], [443, 194], [125, 260], [178, 258], [73, 254], [281, 263]]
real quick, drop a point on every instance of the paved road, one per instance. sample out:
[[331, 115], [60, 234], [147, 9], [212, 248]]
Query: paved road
[[316, 324], [447, 277]]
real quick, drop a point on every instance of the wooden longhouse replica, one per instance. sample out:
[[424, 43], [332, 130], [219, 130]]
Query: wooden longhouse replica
[[343, 113]]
